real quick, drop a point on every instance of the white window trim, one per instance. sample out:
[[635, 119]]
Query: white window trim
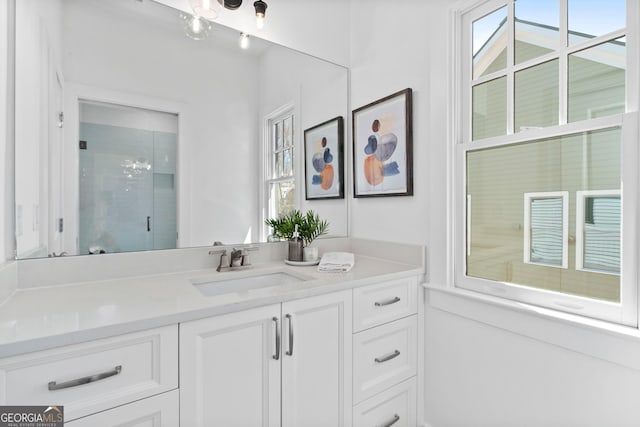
[[460, 131], [265, 164], [580, 197], [528, 197]]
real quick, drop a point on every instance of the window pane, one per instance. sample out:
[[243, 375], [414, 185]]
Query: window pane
[[282, 196], [288, 131], [497, 179], [490, 108], [278, 136], [287, 169], [277, 171], [537, 28], [602, 233], [547, 242], [490, 43], [536, 96], [592, 18], [597, 81]]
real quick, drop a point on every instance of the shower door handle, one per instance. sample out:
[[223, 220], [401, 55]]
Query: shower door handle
[[148, 223]]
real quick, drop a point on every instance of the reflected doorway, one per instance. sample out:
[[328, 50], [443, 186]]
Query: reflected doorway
[[127, 179]]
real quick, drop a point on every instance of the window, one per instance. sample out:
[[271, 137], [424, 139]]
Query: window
[[280, 174], [598, 231], [547, 133], [546, 228]]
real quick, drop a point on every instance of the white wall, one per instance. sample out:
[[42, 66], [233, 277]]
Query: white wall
[[320, 91], [475, 375], [389, 52], [37, 58], [6, 149]]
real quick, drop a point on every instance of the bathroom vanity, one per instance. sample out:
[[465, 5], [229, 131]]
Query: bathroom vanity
[[325, 349]]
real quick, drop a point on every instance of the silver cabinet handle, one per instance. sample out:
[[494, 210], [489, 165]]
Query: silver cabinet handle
[[388, 357], [84, 380], [277, 355], [290, 351], [391, 422], [387, 302]]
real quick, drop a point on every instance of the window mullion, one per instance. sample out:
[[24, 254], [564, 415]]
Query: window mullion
[[563, 66], [510, 68], [633, 58]]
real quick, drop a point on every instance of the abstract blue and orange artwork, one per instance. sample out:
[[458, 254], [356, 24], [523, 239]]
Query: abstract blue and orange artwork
[[382, 147], [323, 160]]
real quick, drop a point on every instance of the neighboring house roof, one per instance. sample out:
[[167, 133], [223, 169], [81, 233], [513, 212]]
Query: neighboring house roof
[[545, 37]]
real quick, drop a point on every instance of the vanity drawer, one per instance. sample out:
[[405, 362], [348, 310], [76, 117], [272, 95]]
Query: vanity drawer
[[378, 304], [93, 376], [156, 411], [393, 407], [384, 356]]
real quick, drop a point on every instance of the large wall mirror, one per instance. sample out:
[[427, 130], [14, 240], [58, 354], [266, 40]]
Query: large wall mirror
[[131, 136]]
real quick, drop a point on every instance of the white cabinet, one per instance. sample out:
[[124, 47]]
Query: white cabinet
[[393, 407], [93, 376], [385, 353], [156, 411], [228, 372], [316, 365], [287, 364]]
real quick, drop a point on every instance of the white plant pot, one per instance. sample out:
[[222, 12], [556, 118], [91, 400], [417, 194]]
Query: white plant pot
[[310, 254]]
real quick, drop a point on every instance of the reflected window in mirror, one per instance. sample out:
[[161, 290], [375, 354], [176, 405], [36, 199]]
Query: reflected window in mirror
[[280, 182]]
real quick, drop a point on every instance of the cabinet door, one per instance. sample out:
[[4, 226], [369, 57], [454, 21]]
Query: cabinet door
[[228, 373], [157, 411], [316, 365]]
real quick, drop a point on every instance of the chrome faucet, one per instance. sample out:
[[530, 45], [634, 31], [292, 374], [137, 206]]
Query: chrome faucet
[[54, 255], [238, 259], [224, 259]]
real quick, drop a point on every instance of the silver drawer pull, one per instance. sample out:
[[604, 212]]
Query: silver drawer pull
[[387, 302], [85, 380], [277, 355], [394, 420], [290, 351], [388, 357]]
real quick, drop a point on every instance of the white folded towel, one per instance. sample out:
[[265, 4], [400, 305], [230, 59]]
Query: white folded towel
[[336, 262]]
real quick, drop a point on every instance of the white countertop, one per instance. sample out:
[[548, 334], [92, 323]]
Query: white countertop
[[45, 317]]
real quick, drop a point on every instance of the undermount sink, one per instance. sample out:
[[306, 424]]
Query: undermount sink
[[226, 285]]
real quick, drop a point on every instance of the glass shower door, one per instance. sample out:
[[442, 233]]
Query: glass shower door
[[116, 189]]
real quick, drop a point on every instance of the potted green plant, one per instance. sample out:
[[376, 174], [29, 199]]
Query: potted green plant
[[310, 227]]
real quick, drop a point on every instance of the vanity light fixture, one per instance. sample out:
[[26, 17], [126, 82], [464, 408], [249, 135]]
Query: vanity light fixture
[[195, 26], [244, 41], [207, 9], [261, 9]]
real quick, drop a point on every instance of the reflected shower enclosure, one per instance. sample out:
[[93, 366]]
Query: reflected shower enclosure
[[127, 191]]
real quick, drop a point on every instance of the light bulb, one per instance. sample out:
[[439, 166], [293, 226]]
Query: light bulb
[[244, 41], [261, 9], [196, 26], [208, 9]]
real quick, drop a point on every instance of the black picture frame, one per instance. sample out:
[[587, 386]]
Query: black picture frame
[[324, 160], [383, 147]]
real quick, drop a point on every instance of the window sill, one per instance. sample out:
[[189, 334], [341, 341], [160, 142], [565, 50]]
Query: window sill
[[607, 341]]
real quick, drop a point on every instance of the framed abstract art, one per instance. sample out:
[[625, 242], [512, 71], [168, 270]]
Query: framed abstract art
[[383, 147], [324, 160]]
